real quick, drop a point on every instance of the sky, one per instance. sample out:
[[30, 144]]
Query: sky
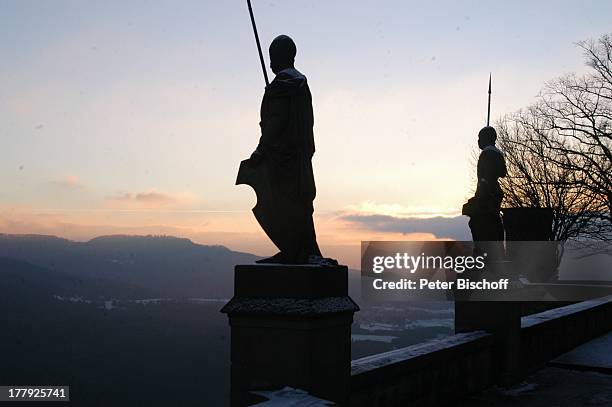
[[131, 117]]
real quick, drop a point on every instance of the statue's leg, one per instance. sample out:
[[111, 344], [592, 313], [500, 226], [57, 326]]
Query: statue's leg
[[305, 236], [473, 228], [488, 235], [310, 236], [278, 258], [499, 229]]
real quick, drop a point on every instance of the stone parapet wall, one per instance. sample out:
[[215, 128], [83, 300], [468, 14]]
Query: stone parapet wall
[[548, 334], [440, 371], [426, 374]]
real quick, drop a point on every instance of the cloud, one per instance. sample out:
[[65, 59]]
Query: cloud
[[146, 197], [149, 200], [442, 227], [398, 210], [412, 222], [69, 182], [22, 106]]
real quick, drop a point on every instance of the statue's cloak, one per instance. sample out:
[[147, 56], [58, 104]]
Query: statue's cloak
[[283, 180]]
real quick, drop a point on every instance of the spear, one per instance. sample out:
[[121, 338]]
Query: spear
[[489, 105], [261, 59]]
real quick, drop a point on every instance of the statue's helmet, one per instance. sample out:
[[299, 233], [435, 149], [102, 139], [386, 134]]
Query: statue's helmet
[[282, 51], [487, 136]]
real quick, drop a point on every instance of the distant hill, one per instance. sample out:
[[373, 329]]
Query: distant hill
[[161, 266], [21, 281]]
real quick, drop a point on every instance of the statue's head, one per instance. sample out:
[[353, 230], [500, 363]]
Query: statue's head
[[282, 53], [486, 137]]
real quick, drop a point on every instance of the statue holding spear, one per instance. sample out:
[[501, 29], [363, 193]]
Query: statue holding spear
[[280, 169], [484, 208]]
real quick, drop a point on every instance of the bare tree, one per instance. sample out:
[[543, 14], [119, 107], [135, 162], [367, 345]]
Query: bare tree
[[576, 111], [538, 177], [559, 151]]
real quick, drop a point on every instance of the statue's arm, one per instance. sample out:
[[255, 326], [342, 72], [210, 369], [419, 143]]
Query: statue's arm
[[503, 170], [485, 170], [273, 123]]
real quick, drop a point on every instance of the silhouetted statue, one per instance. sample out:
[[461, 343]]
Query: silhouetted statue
[[280, 168], [483, 209]]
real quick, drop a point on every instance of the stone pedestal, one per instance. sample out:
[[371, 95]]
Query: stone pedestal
[[503, 320], [290, 326]]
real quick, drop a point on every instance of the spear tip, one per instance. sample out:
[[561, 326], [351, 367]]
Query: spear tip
[[489, 102]]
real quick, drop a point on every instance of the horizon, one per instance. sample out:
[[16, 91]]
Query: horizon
[[118, 120]]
